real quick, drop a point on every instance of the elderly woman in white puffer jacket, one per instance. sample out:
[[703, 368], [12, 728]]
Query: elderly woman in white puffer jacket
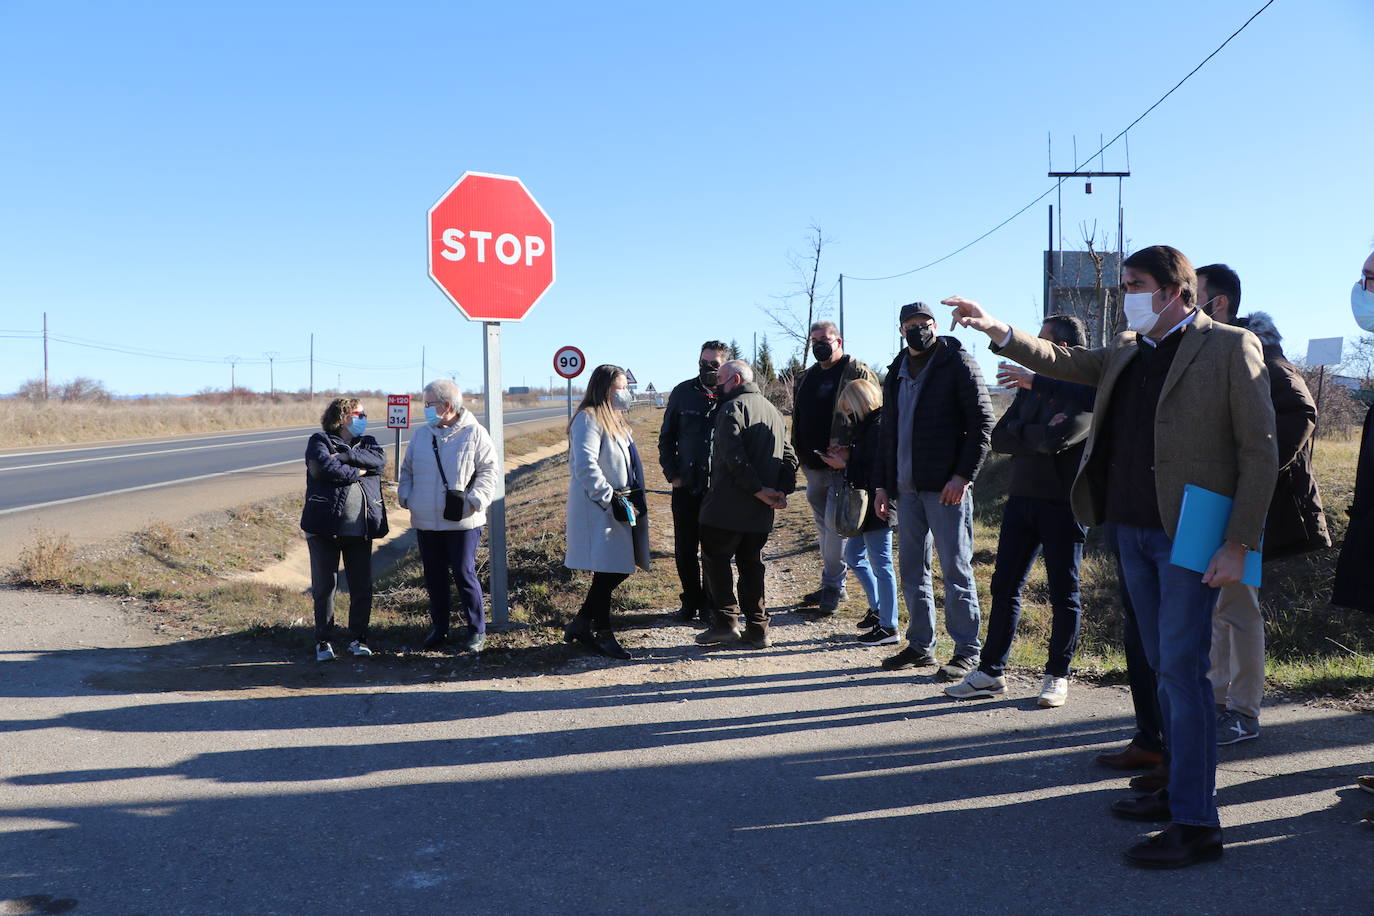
[[450, 452]]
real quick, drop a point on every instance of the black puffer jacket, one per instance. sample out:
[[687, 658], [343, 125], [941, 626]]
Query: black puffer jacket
[[331, 467], [952, 425], [1044, 455], [864, 468], [684, 440]]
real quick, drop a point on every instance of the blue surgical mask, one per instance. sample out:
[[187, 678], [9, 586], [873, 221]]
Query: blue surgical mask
[[432, 416], [1362, 305], [358, 426]]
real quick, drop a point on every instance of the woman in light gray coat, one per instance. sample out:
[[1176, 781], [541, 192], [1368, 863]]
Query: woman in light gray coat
[[608, 528], [450, 452]]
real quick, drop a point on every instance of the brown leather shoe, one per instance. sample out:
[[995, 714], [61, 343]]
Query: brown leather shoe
[[1152, 781], [1152, 807], [1177, 846], [1134, 757]]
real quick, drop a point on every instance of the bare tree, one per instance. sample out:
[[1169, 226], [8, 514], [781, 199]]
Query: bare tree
[[795, 311]]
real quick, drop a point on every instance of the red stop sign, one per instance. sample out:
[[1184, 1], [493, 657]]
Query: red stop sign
[[490, 247]]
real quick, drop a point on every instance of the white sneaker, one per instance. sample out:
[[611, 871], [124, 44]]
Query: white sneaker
[[1054, 691], [977, 685], [358, 648], [324, 652]]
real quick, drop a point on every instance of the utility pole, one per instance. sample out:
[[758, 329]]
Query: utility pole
[[842, 308], [312, 368], [45, 356], [233, 362], [271, 374], [422, 368]]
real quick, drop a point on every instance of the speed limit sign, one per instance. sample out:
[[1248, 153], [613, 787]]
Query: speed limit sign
[[569, 362]]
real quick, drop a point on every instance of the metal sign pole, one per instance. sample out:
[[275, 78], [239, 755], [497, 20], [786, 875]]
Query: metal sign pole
[[496, 513], [398, 454], [569, 400]]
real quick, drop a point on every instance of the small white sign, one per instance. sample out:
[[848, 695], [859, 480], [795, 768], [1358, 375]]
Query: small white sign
[[398, 411], [1324, 351]]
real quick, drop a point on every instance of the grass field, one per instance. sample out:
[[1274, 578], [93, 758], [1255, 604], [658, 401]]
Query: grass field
[[188, 578]]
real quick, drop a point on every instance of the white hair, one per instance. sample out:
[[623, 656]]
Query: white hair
[[737, 367], [446, 390], [1261, 324]]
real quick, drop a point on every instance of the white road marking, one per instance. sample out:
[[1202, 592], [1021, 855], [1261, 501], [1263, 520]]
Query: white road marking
[[161, 451], [146, 486]]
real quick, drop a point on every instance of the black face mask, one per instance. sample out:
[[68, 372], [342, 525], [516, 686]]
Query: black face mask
[[822, 350], [921, 337], [709, 373]]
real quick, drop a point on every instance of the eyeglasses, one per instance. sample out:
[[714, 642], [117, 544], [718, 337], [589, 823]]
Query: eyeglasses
[[434, 403], [360, 413]]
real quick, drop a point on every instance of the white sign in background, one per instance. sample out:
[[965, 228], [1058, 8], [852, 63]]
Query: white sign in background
[[1324, 351]]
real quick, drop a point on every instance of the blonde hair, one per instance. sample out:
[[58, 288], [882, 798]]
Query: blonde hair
[[336, 414], [860, 398]]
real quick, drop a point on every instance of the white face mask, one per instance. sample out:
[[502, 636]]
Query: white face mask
[[1140, 314], [1362, 305]]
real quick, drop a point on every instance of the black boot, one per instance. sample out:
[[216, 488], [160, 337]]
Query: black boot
[[606, 644], [579, 630]]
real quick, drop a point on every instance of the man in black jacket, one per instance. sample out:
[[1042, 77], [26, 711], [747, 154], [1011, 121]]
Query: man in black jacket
[[684, 453], [753, 468], [936, 422], [1043, 431]]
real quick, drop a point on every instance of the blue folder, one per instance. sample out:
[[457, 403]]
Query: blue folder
[[1202, 529]]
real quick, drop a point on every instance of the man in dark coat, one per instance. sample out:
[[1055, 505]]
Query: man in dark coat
[[753, 468], [936, 423], [684, 453]]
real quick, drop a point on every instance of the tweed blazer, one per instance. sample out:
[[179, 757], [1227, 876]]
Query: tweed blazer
[[1214, 424]]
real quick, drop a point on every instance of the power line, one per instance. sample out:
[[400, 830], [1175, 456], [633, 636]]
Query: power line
[[1080, 165]]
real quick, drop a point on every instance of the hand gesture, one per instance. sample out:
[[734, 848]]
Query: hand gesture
[[971, 315], [1011, 376]]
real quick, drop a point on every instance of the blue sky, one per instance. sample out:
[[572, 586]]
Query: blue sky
[[213, 180]]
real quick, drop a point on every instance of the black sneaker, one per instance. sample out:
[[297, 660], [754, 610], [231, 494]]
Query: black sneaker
[[957, 668], [472, 641], [870, 620], [685, 614], [832, 596], [810, 599], [908, 658], [879, 636]]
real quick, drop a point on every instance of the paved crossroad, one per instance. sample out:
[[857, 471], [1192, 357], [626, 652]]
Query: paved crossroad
[[31, 480]]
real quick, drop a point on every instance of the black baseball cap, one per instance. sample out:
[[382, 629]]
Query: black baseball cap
[[911, 310]]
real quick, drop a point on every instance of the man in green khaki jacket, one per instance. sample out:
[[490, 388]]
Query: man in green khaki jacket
[[1181, 400]]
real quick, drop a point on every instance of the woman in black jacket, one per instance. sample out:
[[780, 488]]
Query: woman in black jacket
[[869, 554], [343, 513]]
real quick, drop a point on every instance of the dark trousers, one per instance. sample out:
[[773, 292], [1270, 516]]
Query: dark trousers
[[597, 605], [686, 547], [445, 552], [745, 548], [1149, 720], [1031, 527], [356, 553]]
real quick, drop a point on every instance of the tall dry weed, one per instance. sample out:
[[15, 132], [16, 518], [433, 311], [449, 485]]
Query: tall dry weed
[[47, 560]]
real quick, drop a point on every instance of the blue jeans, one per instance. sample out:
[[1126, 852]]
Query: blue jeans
[[870, 557], [1174, 611], [1029, 527], [921, 520]]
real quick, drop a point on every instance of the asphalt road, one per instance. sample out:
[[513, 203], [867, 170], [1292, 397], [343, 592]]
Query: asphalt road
[[205, 776], [36, 479]]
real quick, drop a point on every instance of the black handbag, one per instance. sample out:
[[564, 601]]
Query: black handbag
[[456, 506]]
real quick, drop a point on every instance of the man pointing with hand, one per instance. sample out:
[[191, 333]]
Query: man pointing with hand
[[1182, 400]]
